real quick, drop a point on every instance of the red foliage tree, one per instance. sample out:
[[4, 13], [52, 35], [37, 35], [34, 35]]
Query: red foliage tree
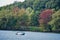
[[45, 16]]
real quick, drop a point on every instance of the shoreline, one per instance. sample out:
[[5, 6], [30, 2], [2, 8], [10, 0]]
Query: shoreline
[[32, 31]]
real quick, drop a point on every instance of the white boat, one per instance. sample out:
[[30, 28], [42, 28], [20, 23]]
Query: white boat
[[18, 33]]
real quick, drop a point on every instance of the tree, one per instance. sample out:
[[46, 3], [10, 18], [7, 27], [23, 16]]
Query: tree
[[53, 4], [55, 22], [45, 17], [34, 18]]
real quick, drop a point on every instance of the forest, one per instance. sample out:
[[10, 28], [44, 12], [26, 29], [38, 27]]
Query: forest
[[31, 15]]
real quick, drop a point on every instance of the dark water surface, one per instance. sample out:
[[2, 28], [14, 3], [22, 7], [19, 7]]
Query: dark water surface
[[11, 35]]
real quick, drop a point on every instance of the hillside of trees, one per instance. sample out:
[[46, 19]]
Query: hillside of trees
[[31, 15]]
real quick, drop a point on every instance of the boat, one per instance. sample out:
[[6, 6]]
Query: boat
[[18, 33]]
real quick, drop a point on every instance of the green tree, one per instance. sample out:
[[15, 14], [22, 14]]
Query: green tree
[[55, 22], [53, 4]]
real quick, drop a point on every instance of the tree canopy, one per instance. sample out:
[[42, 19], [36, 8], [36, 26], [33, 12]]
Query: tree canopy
[[42, 14]]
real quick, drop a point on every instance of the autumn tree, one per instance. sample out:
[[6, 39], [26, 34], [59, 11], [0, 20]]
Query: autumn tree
[[45, 17]]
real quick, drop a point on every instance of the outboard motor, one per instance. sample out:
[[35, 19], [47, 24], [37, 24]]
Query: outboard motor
[[23, 34]]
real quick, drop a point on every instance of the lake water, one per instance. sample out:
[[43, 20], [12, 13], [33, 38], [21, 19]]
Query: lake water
[[11, 35]]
